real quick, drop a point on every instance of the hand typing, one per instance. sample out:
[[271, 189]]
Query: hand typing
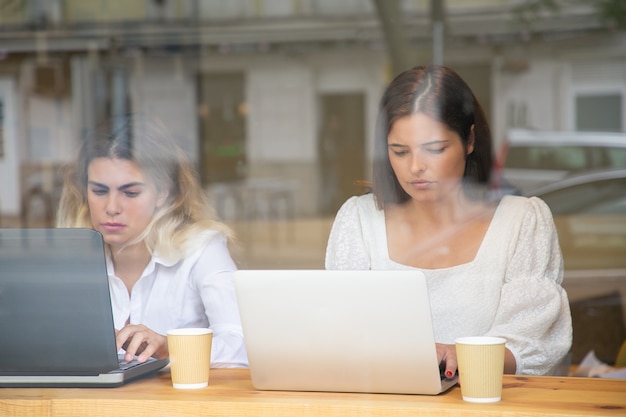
[[138, 340], [446, 354]]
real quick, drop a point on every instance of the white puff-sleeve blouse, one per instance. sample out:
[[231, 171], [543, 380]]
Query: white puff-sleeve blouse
[[511, 289]]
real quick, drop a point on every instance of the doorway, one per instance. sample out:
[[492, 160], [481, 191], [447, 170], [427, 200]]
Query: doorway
[[223, 113], [341, 149]]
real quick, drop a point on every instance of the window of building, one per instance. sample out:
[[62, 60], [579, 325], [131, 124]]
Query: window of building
[[599, 112]]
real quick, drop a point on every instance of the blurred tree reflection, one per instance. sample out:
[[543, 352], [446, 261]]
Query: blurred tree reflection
[[611, 12]]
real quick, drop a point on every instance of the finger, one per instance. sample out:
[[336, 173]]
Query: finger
[[143, 345], [147, 350], [451, 366], [125, 338], [451, 363], [441, 354], [122, 338], [140, 343], [446, 355], [136, 344]]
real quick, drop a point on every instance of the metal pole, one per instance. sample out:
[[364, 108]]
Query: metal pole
[[392, 24], [437, 17]]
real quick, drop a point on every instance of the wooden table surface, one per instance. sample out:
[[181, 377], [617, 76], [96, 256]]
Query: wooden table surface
[[230, 392]]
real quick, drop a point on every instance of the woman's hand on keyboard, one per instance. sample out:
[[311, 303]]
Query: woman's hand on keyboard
[[138, 340], [446, 355]]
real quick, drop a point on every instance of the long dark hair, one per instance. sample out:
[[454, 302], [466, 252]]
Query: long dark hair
[[438, 92]]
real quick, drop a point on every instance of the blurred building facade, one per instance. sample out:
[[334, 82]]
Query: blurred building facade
[[279, 96]]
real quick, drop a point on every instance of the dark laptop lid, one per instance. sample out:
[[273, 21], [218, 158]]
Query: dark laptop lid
[[55, 307]]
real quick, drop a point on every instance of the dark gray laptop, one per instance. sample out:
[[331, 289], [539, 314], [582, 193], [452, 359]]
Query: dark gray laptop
[[56, 322], [341, 331]]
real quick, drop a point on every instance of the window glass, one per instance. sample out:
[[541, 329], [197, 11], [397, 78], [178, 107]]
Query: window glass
[[591, 223], [601, 112], [617, 157], [222, 120], [590, 197], [276, 102], [569, 158]]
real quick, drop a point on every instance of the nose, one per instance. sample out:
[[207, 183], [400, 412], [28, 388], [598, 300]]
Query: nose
[[112, 206], [418, 165]]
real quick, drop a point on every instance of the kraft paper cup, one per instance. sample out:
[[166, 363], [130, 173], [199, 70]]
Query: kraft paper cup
[[481, 365], [190, 357]]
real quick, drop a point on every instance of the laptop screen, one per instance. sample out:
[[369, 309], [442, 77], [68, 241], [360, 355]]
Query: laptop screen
[[55, 308]]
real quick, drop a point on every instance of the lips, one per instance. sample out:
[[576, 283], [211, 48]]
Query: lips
[[112, 227], [421, 184]]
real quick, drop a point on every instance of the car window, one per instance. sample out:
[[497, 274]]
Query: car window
[[617, 157], [570, 158], [591, 224], [604, 196], [567, 158], [610, 206]]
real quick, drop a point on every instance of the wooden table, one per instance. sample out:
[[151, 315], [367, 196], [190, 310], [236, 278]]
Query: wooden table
[[230, 393]]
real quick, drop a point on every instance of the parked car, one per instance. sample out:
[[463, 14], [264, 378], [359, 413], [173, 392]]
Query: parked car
[[529, 158], [590, 215]]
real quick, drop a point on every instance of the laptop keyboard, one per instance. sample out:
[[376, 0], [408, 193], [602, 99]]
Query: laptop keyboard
[[124, 365]]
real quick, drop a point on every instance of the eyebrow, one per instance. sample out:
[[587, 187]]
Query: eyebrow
[[434, 142], [122, 188]]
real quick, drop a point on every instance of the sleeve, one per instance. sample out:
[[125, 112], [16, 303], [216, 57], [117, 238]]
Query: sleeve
[[346, 248], [217, 291], [533, 313]]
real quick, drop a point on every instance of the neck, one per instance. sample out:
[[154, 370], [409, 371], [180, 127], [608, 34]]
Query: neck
[[129, 262], [453, 209]]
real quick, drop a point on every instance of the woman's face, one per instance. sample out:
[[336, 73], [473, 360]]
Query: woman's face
[[427, 157], [121, 199]]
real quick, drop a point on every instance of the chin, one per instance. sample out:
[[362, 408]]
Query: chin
[[114, 240]]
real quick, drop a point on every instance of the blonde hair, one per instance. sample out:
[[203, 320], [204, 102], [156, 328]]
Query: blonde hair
[[177, 225]]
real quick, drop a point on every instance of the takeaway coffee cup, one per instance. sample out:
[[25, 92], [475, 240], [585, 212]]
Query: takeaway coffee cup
[[481, 365], [190, 357]]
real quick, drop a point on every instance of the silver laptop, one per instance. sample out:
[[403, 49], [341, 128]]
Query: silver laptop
[[341, 331], [56, 322]]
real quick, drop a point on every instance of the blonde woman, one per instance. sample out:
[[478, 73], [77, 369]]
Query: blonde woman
[[167, 254]]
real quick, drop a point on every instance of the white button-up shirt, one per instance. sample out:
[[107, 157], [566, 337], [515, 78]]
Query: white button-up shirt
[[196, 291]]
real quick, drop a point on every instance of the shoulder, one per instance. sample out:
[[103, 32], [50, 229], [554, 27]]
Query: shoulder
[[208, 253], [206, 240], [363, 205], [358, 217], [525, 206], [359, 212], [527, 215], [353, 233], [196, 245]]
